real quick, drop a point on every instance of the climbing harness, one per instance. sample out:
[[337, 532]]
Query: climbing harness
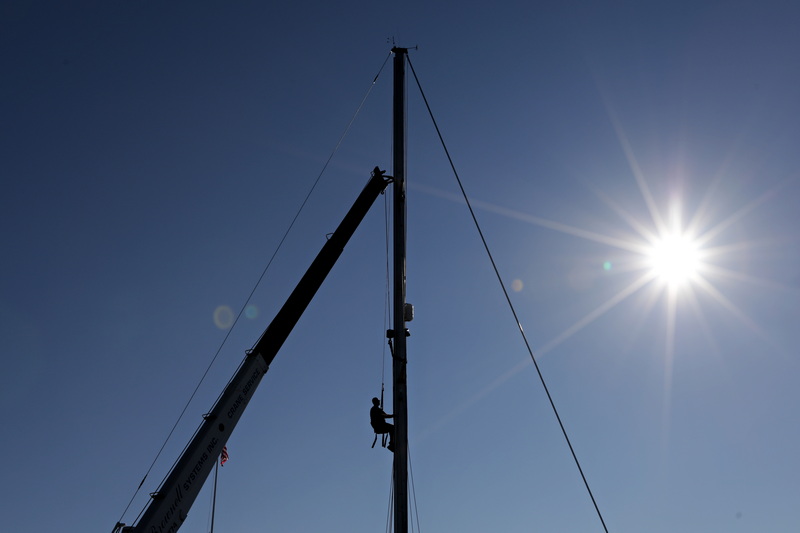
[[384, 436]]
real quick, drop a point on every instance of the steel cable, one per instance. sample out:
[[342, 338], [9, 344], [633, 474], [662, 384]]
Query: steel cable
[[507, 297]]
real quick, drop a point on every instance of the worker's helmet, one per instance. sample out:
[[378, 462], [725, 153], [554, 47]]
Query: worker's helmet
[[376, 401]]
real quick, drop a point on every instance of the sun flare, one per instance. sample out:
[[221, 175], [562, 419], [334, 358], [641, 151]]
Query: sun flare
[[674, 259]]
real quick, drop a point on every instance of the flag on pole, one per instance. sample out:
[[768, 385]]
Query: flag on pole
[[224, 456]]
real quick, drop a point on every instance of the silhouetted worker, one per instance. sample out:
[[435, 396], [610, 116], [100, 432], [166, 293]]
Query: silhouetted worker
[[377, 418]]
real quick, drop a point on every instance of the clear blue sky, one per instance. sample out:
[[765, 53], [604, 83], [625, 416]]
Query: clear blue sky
[[154, 153]]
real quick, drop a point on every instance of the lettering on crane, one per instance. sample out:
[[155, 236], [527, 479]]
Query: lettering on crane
[[212, 445], [170, 523], [193, 475], [242, 398]]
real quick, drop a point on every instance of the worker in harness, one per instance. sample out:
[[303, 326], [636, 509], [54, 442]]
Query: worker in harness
[[377, 418]]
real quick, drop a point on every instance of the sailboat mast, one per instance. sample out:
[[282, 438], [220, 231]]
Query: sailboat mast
[[400, 398]]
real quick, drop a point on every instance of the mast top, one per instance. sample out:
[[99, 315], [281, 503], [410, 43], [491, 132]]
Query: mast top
[[401, 50]]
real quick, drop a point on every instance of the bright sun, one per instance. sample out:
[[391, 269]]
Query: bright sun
[[674, 259]]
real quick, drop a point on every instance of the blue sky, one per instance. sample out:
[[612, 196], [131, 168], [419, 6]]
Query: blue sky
[[153, 156]]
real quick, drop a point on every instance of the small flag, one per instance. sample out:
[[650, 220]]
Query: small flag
[[224, 456]]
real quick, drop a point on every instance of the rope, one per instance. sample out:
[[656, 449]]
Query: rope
[[388, 299], [508, 298], [250, 296]]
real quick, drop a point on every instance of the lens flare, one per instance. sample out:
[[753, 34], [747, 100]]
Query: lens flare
[[223, 317]]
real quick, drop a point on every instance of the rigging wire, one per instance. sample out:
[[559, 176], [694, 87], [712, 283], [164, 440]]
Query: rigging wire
[[413, 492], [508, 298], [389, 522], [250, 296]]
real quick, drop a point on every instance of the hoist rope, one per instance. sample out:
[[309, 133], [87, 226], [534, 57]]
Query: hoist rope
[[214, 496], [250, 296], [508, 298]]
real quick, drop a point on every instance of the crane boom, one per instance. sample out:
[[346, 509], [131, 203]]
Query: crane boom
[[170, 504]]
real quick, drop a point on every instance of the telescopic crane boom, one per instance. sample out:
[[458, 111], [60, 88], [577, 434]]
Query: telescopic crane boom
[[170, 504]]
